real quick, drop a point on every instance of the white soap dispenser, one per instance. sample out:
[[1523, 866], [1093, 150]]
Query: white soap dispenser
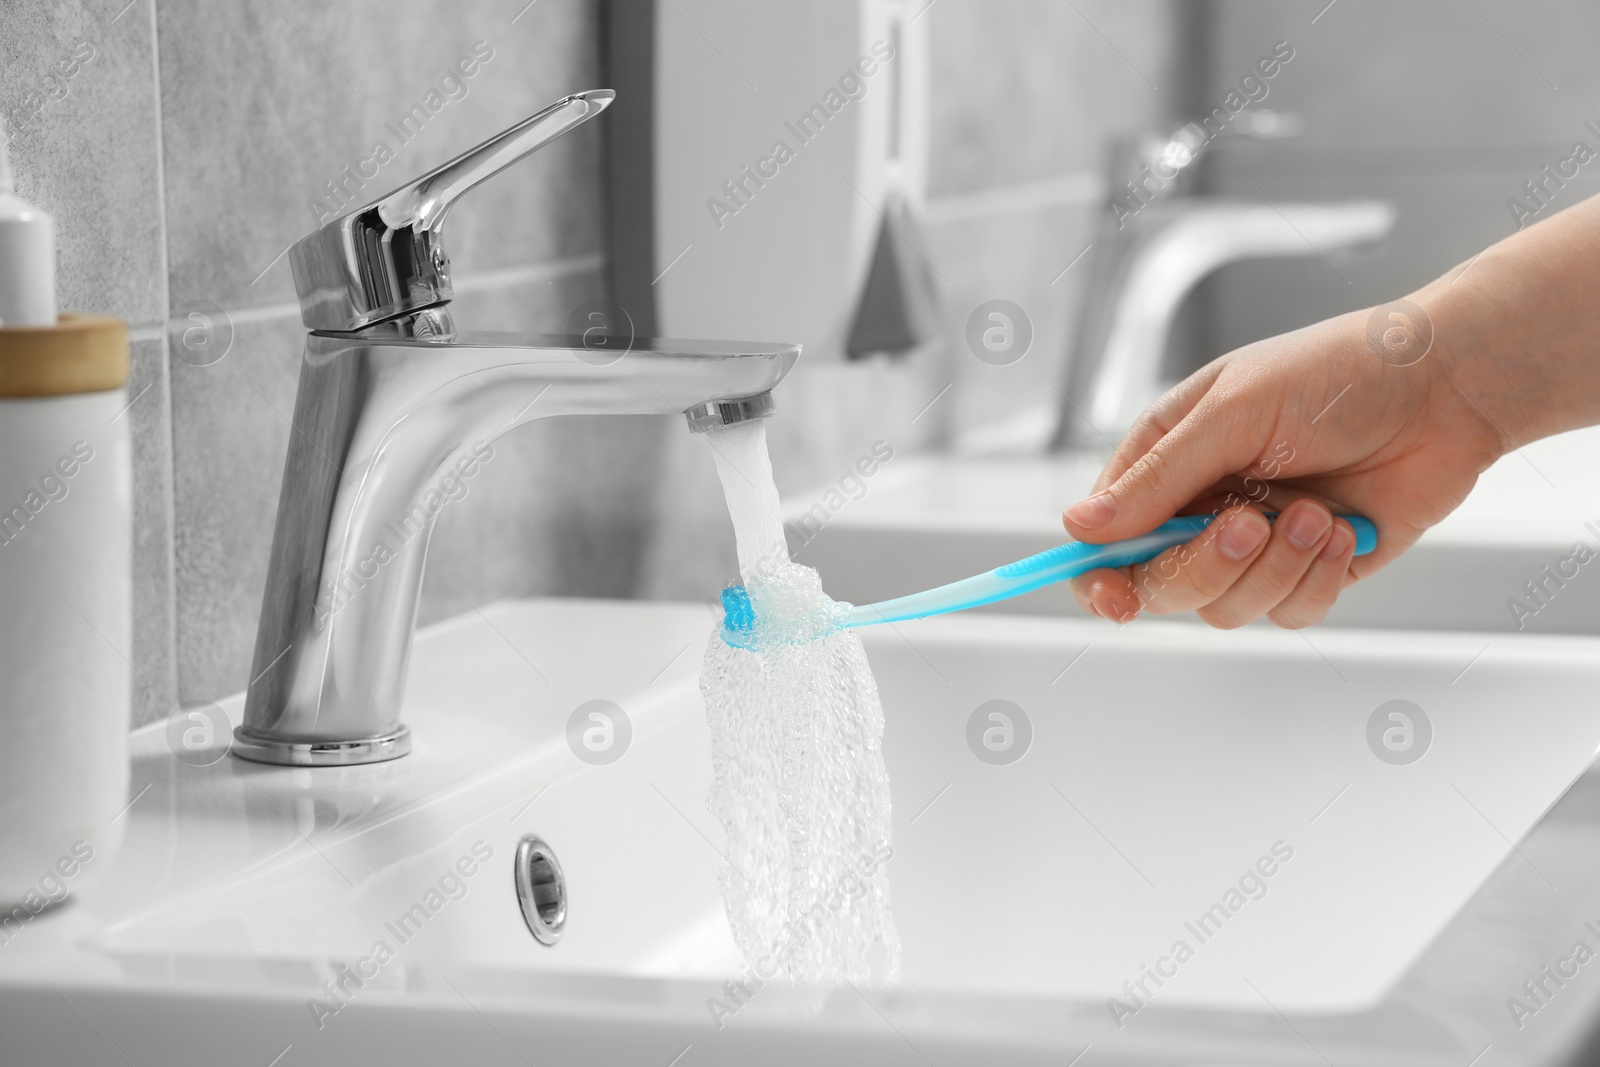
[[27, 256], [65, 577]]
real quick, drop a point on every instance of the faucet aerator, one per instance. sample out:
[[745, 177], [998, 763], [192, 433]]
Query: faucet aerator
[[715, 414]]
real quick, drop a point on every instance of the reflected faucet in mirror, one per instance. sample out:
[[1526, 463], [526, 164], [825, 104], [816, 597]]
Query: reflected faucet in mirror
[[1160, 237]]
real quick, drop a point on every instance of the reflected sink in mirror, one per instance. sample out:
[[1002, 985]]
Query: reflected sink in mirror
[[932, 519], [1063, 815]]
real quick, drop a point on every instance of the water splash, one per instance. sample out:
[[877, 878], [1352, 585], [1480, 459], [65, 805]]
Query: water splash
[[799, 782]]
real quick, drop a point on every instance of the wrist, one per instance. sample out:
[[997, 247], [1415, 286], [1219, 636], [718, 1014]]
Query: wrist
[[1513, 336], [1467, 371]]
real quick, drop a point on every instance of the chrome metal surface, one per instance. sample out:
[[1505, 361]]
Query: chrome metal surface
[[1156, 240], [541, 889], [388, 258], [395, 410], [703, 417], [389, 427], [391, 745]]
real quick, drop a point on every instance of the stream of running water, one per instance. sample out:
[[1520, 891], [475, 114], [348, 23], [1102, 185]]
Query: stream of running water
[[799, 781]]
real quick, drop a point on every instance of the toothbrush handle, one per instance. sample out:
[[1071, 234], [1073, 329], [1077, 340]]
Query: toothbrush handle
[[1056, 565]]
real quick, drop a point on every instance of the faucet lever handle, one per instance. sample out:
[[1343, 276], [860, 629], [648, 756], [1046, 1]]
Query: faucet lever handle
[[383, 260], [424, 202]]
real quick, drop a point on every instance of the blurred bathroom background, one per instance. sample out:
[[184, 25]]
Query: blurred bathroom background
[[185, 154]]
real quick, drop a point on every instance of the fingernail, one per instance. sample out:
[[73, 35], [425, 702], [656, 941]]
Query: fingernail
[[1307, 525], [1096, 511], [1338, 544], [1244, 532]]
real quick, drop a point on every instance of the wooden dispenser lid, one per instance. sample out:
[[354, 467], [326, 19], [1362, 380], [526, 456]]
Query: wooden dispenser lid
[[79, 354]]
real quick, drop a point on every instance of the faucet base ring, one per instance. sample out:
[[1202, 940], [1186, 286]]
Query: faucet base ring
[[391, 745]]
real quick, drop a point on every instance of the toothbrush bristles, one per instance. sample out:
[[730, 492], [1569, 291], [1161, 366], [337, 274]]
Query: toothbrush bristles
[[738, 616]]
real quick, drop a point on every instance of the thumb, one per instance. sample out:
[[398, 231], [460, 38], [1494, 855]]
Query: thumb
[[1192, 457]]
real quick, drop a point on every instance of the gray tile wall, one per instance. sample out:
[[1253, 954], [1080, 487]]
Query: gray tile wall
[[87, 149], [1442, 107], [1025, 97], [1028, 90], [184, 158]]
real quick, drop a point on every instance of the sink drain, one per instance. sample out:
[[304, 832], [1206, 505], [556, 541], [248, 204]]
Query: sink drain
[[541, 889]]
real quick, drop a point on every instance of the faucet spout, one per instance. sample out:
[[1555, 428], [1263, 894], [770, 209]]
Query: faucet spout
[[385, 426], [1168, 250], [1158, 238]]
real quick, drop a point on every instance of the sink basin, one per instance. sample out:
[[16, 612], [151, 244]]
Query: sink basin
[[931, 519], [1397, 915]]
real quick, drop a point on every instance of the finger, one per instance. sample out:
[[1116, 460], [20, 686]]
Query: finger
[[1209, 442], [1298, 535], [1157, 421], [1193, 575], [1107, 593], [1314, 596]]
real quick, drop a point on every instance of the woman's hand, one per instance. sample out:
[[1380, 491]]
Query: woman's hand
[[1310, 424]]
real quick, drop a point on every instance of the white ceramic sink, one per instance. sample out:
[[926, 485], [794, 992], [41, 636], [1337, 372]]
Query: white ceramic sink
[[1164, 762], [925, 520]]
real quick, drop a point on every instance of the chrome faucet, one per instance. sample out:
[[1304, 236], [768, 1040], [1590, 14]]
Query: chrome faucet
[[392, 403], [1155, 242]]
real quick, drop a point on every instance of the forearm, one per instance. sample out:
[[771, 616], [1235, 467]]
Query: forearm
[[1517, 330]]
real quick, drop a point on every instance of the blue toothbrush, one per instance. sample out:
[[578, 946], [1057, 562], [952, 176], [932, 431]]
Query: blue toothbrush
[[1024, 576]]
